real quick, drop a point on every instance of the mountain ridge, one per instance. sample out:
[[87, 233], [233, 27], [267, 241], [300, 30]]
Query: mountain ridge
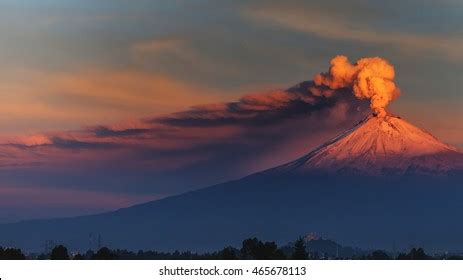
[[380, 145]]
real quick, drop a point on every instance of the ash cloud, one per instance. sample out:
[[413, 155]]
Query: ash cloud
[[196, 147], [259, 109], [369, 78]]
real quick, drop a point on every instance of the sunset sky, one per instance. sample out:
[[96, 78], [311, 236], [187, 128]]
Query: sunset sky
[[108, 103]]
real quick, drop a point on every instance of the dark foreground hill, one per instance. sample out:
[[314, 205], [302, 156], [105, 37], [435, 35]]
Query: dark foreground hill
[[362, 211]]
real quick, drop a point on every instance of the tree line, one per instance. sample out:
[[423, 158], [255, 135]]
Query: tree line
[[251, 249]]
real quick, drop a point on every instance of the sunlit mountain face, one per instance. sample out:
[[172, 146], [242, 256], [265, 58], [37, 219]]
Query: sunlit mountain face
[[379, 146]]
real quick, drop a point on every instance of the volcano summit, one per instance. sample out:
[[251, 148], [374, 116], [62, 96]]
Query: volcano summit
[[381, 145]]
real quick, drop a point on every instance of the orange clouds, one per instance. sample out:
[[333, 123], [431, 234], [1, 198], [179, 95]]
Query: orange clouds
[[34, 140], [133, 90], [369, 78], [31, 101]]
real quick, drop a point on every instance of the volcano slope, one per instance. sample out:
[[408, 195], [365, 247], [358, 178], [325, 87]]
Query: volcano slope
[[383, 183]]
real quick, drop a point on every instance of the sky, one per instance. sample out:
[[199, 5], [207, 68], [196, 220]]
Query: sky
[[109, 103]]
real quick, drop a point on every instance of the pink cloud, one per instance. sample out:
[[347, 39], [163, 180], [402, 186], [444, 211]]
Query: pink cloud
[[256, 121]]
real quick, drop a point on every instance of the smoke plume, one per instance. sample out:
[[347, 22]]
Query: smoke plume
[[369, 78]]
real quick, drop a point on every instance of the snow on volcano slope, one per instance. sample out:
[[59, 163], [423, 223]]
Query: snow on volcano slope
[[387, 145]]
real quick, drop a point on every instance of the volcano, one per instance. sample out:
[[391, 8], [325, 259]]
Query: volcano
[[383, 184], [380, 146]]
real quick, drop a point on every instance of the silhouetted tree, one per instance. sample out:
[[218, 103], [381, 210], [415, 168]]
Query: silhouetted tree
[[11, 254], [249, 247], [420, 255], [59, 253], [228, 253], [378, 255], [271, 252], [299, 250], [104, 254], [257, 250], [414, 254]]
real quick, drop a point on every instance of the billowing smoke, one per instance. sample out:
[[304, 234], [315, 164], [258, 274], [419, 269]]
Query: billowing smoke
[[369, 78]]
